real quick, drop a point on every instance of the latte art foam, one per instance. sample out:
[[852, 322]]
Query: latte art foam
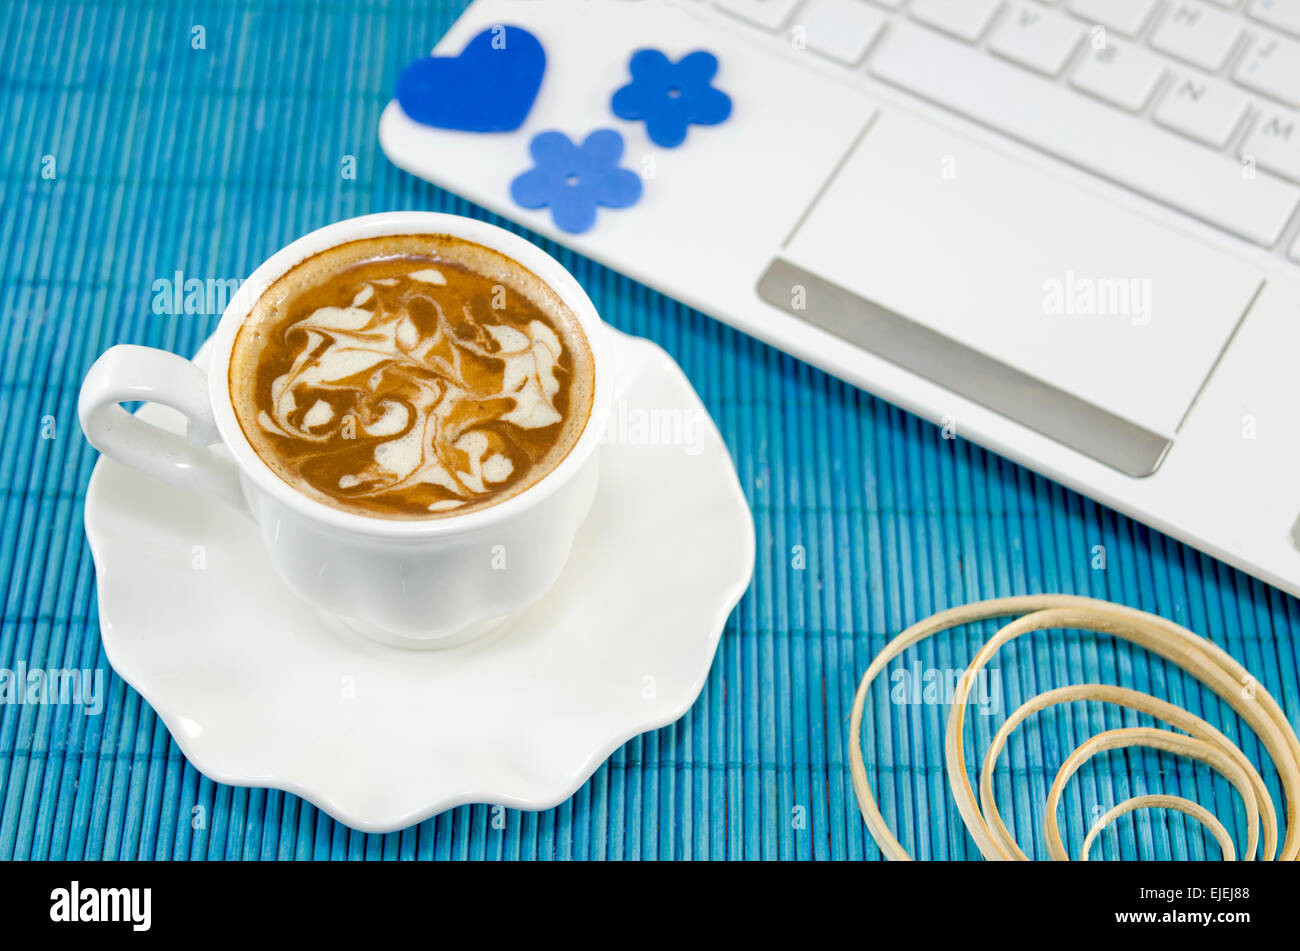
[[414, 376]]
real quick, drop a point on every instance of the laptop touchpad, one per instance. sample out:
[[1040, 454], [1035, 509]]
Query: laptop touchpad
[[1015, 288]]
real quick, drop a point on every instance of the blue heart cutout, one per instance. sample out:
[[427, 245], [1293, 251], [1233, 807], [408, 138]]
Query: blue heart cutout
[[489, 87]]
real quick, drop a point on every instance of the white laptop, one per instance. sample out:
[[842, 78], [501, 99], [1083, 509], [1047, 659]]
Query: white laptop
[[1066, 231]]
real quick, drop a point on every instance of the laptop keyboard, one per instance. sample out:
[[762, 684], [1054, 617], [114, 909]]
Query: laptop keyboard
[[1194, 104]]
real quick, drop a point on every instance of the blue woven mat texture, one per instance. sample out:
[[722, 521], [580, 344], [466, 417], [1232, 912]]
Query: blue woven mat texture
[[130, 154]]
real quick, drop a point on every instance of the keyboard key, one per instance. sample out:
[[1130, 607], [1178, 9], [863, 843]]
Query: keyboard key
[[1037, 38], [1274, 143], [1198, 34], [1203, 109], [1120, 73], [840, 29], [1272, 66], [769, 14], [1056, 119], [964, 19], [1284, 14], [1126, 16]]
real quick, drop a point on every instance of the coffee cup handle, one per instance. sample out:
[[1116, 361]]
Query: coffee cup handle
[[128, 372]]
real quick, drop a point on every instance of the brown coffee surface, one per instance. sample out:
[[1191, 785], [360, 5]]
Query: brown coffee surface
[[411, 376]]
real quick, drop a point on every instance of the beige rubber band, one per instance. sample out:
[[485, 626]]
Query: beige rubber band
[[1135, 700], [1186, 806], [1203, 659], [1179, 645], [1153, 739]]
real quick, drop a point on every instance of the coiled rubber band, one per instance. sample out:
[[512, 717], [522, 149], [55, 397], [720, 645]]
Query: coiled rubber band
[[1204, 660], [1135, 700], [1186, 806]]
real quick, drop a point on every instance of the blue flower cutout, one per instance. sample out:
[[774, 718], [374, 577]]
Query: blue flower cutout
[[670, 96], [573, 179]]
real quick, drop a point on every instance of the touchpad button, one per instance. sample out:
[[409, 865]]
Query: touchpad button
[[1025, 275]]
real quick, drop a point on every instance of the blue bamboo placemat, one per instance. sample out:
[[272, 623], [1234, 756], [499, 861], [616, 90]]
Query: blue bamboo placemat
[[145, 139]]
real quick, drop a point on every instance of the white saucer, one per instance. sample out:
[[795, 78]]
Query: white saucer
[[259, 690]]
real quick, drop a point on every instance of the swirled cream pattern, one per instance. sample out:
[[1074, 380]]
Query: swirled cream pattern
[[412, 387]]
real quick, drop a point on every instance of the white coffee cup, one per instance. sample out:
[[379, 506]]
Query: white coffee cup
[[408, 583]]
